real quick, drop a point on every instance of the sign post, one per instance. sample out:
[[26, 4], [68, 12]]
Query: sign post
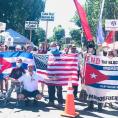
[[47, 16], [31, 25], [31, 35]]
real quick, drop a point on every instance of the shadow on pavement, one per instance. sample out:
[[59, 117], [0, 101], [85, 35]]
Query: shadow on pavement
[[88, 113], [41, 105], [92, 114], [111, 112], [80, 103]]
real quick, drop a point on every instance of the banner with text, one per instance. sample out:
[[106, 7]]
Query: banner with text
[[101, 78]]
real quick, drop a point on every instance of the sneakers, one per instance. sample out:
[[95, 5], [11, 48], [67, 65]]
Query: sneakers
[[60, 105], [100, 105]]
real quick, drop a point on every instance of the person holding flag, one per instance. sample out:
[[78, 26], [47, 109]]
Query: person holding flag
[[92, 51], [15, 74], [30, 85], [52, 88]]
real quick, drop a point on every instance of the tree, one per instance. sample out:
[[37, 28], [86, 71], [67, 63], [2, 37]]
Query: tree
[[16, 12], [75, 35], [58, 33], [39, 36], [76, 20], [51, 39], [92, 8], [110, 7]]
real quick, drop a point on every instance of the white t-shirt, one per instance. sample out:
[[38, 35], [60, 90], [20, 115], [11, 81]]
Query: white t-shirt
[[30, 82]]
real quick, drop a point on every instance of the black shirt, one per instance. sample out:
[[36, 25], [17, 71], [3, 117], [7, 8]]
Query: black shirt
[[17, 73]]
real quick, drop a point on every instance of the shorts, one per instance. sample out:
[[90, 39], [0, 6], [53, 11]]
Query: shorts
[[30, 94]]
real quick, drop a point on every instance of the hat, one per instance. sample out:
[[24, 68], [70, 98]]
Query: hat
[[53, 44], [18, 46], [74, 46], [30, 65]]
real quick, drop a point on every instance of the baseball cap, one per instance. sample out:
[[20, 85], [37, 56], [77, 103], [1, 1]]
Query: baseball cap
[[30, 65], [74, 46], [18, 46]]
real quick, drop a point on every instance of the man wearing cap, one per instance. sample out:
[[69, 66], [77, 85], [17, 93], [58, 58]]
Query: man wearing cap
[[73, 49], [52, 88], [30, 85], [18, 48]]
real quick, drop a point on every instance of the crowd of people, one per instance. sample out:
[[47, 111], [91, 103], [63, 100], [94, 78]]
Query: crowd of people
[[29, 79]]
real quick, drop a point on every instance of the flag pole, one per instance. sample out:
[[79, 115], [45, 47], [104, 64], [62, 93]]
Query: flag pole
[[102, 7], [114, 33], [100, 35], [114, 41]]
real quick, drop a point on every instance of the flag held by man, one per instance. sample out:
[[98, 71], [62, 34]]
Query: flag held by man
[[58, 69]]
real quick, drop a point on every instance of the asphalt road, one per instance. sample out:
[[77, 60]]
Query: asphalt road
[[42, 110]]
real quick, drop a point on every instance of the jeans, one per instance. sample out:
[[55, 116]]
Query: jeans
[[18, 88]]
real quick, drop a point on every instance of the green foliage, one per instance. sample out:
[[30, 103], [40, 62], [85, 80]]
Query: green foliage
[[16, 12], [39, 36], [111, 9], [76, 20], [92, 8], [75, 35], [51, 39], [58, 33], [93, 12]]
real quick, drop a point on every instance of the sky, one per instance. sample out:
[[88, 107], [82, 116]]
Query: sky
[[63, 12]]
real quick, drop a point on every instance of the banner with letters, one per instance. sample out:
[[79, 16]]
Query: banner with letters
[[101, 78]]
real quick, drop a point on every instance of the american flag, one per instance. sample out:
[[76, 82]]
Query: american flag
[[58, 69]]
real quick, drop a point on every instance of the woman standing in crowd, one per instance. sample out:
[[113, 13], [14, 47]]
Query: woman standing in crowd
[[3, 48], [42, 50]]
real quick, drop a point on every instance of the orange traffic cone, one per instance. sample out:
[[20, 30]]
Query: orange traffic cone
[[70, 106]]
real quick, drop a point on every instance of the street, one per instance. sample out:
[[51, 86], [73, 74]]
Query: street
[[42, 110]]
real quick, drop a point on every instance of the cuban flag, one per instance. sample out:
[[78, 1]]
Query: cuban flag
[[8, 61], [93, 75], [101, 78]]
